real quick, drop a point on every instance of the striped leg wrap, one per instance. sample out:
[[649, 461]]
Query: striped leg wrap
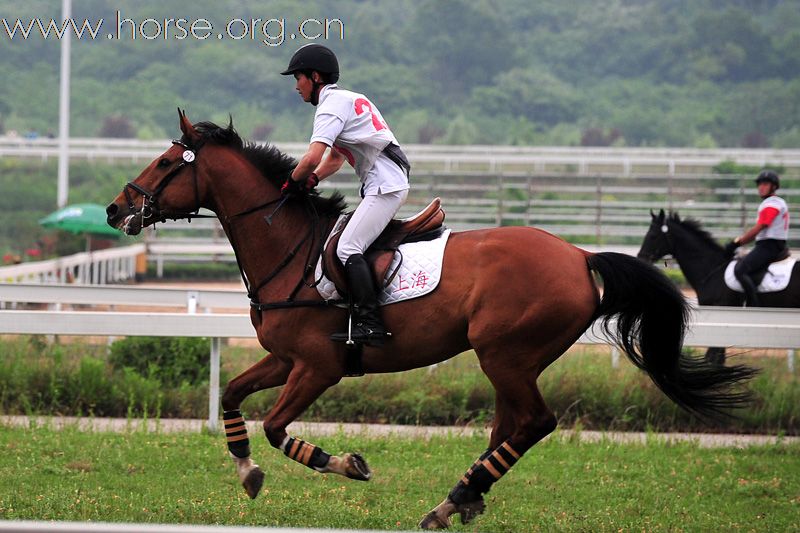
[[305, 453], [490, 467], [236, 433]]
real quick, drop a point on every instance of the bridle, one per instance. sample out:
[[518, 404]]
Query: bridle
[[670, 240], [150, 208], [317, 231]]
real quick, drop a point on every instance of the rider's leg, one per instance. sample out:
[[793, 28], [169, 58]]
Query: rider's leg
[[762, 255], [368, 221]]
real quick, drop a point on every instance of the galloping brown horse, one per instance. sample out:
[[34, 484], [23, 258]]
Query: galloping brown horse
[[518, 296]]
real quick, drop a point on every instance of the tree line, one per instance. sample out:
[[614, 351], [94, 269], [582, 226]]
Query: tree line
[[702, 73]]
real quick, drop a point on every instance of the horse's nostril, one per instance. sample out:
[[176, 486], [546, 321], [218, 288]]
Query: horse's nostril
[[112, 210]]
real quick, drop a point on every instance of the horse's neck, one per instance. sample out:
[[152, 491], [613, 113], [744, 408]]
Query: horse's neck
[[696, 259], [260, 246]]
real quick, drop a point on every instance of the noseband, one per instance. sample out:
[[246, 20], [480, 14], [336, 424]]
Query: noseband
[[150, 207]]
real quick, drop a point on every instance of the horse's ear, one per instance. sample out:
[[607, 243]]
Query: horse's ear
[[186, 126], [660, 215]]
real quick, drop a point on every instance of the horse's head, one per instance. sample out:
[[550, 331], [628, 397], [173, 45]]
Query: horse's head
[[167, 188], [656, 243]]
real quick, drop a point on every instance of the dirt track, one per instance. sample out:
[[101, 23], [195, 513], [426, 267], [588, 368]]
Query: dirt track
[[385, 430]]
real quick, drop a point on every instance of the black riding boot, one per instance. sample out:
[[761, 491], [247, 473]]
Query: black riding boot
[[750, 291], [367, 327]]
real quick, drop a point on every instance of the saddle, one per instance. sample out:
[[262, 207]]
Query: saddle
[[758, 276], [424, 226]]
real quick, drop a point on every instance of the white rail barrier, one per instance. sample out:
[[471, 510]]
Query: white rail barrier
[[62, 294], [447, 157], [100, 267], [764, 328], [711, 326]]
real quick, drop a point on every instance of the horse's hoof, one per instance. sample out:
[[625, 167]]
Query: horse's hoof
[[470, 510], [433, 521], [357, 468], [253, 482]]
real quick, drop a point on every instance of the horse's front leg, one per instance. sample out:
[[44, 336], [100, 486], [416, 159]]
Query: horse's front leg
[[270, 372], [304, 386]]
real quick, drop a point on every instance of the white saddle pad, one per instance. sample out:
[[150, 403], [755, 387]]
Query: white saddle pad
[[776, 279], [419, 274]]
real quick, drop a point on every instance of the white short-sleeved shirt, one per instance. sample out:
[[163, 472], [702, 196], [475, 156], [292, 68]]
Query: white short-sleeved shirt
[[350, 124], [773, 210]]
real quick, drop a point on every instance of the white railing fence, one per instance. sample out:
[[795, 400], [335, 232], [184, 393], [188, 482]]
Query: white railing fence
[[585, 159], [710, 326], [99, 267]]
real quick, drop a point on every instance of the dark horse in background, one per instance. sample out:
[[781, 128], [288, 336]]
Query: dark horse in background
[[703, 261], [518, 296]]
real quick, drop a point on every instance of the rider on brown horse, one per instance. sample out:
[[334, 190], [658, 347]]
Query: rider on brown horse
[[770, 233], [351, 125]]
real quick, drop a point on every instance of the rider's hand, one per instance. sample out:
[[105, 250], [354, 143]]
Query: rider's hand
[[312, 181], [730, 248], [291, 186]]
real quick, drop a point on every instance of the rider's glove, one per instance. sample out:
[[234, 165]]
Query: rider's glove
[[291, 186], [730, 248], [312, 181]]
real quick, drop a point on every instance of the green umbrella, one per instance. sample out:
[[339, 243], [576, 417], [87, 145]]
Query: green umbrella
[[80, 218]]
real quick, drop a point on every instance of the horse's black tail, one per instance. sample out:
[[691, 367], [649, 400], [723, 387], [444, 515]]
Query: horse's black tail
[[651, 319]]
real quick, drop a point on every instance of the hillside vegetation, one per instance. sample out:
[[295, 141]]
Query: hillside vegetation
[[639, 72]]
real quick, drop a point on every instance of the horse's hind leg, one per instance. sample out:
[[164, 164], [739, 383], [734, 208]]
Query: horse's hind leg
[[521, 420], [267, 373]]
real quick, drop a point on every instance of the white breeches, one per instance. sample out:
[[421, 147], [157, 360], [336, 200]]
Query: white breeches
[[369, 219]]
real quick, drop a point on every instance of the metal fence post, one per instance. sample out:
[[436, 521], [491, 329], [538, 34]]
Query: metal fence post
[[213, 387], [500, 191]]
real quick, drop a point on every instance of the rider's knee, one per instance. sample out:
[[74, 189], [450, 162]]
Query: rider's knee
[[345, 250]]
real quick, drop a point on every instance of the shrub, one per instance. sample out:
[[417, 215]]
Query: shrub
[[171, 360]]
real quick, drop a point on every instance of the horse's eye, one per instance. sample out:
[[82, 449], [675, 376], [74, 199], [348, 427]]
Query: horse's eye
[[164, 162]]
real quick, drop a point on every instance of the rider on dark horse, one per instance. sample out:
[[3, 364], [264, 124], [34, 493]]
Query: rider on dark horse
[[354, 129], [770, 233]]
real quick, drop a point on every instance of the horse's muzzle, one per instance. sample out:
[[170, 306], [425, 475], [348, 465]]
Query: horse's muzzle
[[123, 220]]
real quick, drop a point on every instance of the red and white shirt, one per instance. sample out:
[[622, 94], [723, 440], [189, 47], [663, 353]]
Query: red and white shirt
[[773, 212], [350, 124]]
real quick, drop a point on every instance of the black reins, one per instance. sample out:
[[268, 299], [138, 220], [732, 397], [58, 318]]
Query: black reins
[[316, 232]]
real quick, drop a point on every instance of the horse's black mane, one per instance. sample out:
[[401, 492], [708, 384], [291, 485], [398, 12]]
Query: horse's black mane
[[273, 164], [696, 228]]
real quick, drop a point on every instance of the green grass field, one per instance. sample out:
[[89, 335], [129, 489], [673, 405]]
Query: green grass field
[[559, 485]]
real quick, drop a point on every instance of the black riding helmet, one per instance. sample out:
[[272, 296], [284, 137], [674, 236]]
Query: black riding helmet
[[769, 176], [314, 57]]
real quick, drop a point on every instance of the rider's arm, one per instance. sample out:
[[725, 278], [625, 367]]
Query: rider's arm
[[750, 234], [765, 218], [309, 161], [330, 165]]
